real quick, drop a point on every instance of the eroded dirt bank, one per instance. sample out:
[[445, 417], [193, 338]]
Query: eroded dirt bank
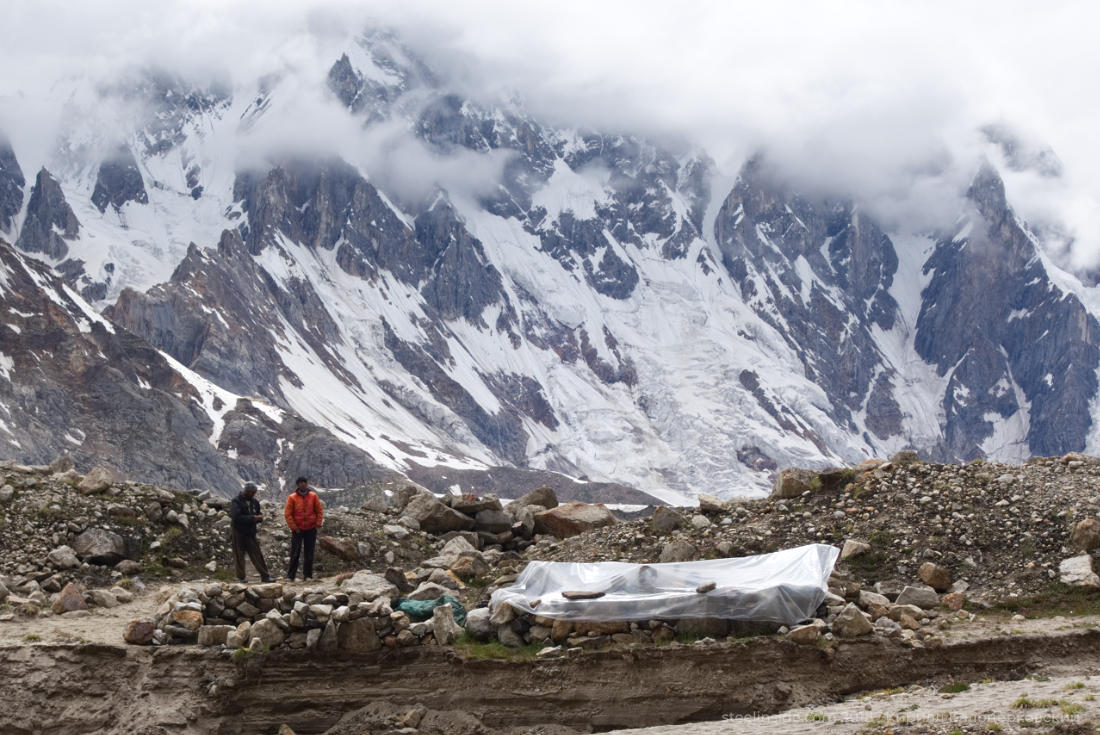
[[97, 688]]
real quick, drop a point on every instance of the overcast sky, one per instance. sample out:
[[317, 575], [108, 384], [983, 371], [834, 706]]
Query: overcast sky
[[881, 98]]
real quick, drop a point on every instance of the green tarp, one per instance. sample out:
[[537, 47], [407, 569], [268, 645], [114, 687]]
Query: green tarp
[[420, 610]]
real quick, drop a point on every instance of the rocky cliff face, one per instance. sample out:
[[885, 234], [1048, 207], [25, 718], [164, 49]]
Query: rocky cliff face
[[1013, 344], [11, 187], [50, 223], [591, 306]]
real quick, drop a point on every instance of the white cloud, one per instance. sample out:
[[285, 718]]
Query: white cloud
[[878, 98]]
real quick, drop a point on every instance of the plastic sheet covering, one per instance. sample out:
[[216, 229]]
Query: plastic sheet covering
[[781, 587]]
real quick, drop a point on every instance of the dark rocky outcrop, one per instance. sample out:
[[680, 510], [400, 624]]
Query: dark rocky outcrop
[[995, 323], [119, 181], [50, 222], [11, 186]]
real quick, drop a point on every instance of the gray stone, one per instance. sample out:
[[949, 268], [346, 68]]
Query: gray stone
[[868, 598], [429, 591], [100, 546], [920, 595], [573, 518], [478, 624], [853, 548], [215, 635], [369, 586], [851, 623], [63, 557], [358, 636], [96, 481], [677, 550], [444, 626], [792, 482], [1077, 571], [102, 598], [1086, 535], [710, 504], [542, 496], [266, 634], [807, 634], [435, 517], [665, 520], [493, 521], [935, 576], [509, 637], [700, 521]]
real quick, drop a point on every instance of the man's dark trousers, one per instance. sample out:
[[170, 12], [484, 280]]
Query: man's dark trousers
[[247, 543], [302, 541]]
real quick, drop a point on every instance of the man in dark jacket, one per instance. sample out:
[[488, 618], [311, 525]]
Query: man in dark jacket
[[244, 511]]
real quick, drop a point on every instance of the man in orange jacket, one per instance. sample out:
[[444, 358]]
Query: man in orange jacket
[[304, 515]]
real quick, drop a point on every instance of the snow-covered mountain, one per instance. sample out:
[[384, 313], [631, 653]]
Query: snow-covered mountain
[[538, 300]]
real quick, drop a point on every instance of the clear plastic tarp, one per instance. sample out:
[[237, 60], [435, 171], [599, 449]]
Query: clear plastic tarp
[[782, 587]]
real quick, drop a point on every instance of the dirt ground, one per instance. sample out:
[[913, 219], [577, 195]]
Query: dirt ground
[[1043, 703]]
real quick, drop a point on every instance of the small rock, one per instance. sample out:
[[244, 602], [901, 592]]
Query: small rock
[[806, 634], [919, 595], [666, 520], [710, 504], [1077, 571], [677, 550], [706, 587], [140, 632], [63, 557], [1086, 535], [214, 635], [70, 598], [935, 576], [96, 481], [700, 522], [851, 623], [444, 626], [853, 548], [478, 623]]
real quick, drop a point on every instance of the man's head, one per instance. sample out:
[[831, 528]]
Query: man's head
[[249, 490], [302, 484]]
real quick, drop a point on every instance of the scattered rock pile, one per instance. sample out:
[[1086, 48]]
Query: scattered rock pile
[[491, 523], [354, 617]]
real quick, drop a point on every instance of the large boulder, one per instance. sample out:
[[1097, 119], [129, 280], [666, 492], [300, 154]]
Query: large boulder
[[572, 519], [711, 504], [100, 546], [493, 521], [478, 624], [140, 632], [471, 505], [920, 595], [341, 548], [71, 597], [853, 548], [677, 550], [935, 576], [1086, 535], [96, 481], [1077, 571], [665, 520], [543, 496], [266, 634], [370, 586], [63, 557], [444, 626], [435, 517], [792, 482], [214, 635], [851, 622]]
